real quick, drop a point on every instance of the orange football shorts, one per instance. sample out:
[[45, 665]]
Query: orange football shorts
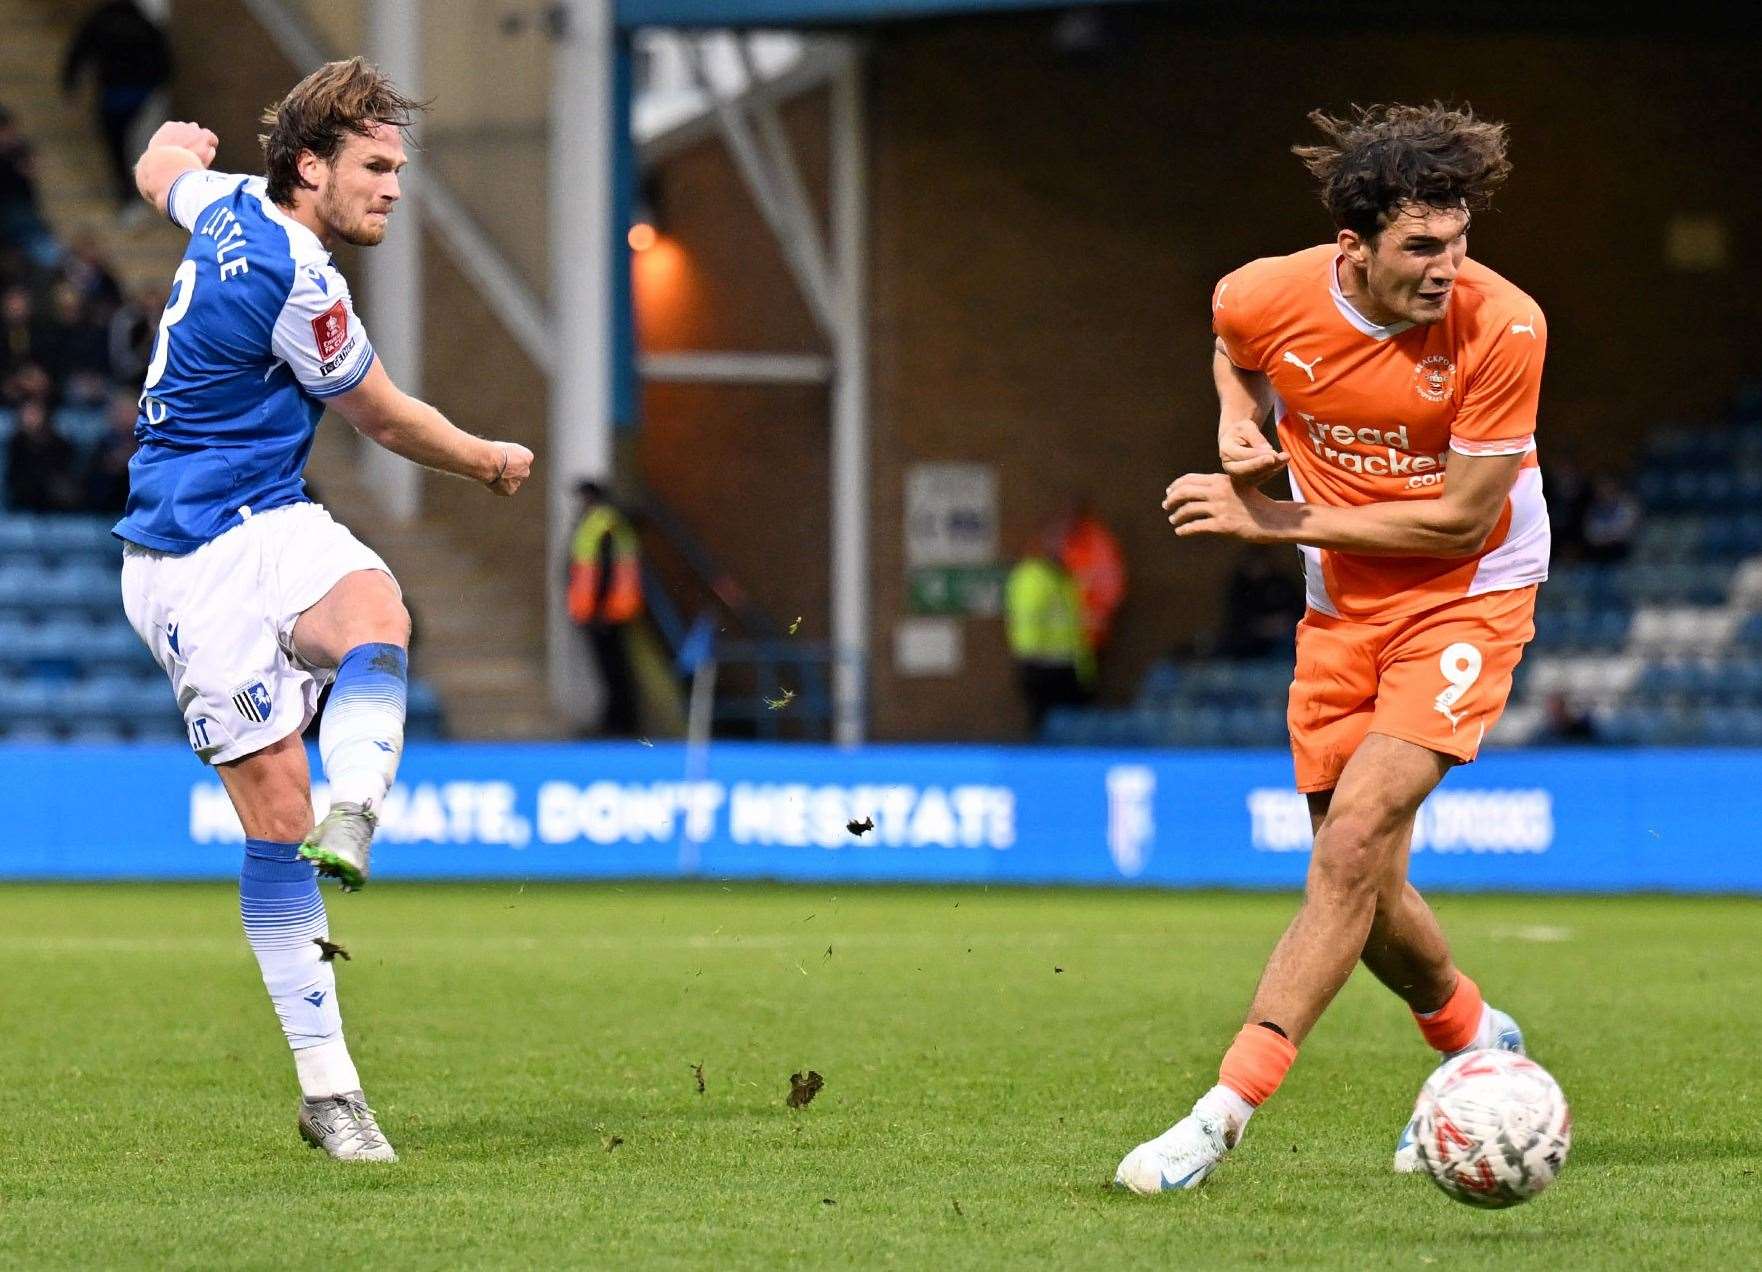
[[1438, 679]]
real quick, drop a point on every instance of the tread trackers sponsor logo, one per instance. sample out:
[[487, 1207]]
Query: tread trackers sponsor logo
[[1519, 820], [1395, 459]]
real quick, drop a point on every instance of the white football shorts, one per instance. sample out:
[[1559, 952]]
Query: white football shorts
[[220, 622]]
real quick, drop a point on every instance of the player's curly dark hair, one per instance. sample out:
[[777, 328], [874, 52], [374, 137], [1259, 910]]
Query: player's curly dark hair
[[1383, 158], [337, 98]]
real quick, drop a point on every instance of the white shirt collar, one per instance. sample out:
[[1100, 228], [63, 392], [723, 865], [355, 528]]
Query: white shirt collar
[[1351, 315]]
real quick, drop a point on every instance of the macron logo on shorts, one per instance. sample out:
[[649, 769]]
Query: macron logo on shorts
[[253, 702]]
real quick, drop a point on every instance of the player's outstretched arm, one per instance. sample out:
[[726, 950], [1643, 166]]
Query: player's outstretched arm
[[387, 416], [1454, 524], [175, 148]]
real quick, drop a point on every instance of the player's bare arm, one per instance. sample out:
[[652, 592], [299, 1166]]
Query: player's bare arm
[[174, 149], [1245, 399], [408, 426], [1456, 523]]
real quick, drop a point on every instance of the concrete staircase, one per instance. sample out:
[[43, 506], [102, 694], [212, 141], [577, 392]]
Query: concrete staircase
[[72, 171]]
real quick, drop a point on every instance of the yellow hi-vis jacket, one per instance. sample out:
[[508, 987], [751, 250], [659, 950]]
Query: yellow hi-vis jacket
[[604, 586], [1043, 612]]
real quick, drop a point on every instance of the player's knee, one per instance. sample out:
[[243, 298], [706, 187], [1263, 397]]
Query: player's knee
[[1352, 856], [383, 620], [395, 624]]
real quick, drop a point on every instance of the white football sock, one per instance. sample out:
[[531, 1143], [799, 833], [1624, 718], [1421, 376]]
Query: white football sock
[[326, 1070], [1231, 1108], [284, 920]]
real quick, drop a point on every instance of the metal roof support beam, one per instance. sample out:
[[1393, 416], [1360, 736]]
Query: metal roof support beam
[[788, 183], [789, 222], [394, 270], [735, 368], [851, 447], [584, 116]]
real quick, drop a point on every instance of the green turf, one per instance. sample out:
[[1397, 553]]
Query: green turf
[[976, 1096]]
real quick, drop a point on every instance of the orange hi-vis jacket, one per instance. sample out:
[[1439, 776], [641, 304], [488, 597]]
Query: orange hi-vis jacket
[[605, 583]]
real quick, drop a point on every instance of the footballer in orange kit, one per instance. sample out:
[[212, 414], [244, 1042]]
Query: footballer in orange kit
[[1403, 379]]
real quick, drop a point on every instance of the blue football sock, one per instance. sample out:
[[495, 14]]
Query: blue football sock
[[362, 734]]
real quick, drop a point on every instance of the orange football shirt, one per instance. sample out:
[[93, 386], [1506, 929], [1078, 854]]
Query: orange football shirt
[[1370, 414]]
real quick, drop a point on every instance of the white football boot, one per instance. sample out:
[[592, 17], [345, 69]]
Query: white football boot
[[344, 1127], [1498, 1031], [1181, 1157]]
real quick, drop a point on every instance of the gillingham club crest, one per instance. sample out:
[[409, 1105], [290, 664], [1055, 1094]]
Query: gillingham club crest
[[1433, 376]]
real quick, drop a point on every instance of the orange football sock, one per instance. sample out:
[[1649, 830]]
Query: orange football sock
[[1454, 1025], [1256, 1063]]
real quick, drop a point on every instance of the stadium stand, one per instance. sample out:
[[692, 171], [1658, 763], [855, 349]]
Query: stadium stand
[[1662, 648]]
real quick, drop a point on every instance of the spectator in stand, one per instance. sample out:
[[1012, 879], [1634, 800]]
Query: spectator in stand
[[1612, 520], [76, 350], [107, 470], [1043, 617], [1263, 603], [133, 328], [130, 58], [1565, 724], [1569, 495], [21, 222], [1091, 554], [27, 383], [87, 269], [40, 470], [21, 335]]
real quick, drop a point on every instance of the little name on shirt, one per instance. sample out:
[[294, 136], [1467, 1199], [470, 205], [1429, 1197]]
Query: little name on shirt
[[229, 238]]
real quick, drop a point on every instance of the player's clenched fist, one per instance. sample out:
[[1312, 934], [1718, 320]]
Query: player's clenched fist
[[188, 136], [1213, 503], [514, 466], [1246, 455]]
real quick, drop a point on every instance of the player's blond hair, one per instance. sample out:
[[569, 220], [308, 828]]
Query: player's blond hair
[[1383, 158], [339, 97]]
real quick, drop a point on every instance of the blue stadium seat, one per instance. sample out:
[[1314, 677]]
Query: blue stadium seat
[[98, 733], [87, 585], [1160, 682], [18, 533], [1749, 633], [167, 729], [82, 425], [424, 719], [26, 733], [1061, 727], [116, 645], [69, 536], [25, 700]]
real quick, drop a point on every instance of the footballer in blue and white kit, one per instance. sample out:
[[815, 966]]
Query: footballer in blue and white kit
[[249, 594], [258, 331]]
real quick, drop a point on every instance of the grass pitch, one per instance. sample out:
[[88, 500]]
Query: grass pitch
[[988, 1057]]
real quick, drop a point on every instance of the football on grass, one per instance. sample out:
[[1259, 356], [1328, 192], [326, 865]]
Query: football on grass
[[1492, 1128]]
